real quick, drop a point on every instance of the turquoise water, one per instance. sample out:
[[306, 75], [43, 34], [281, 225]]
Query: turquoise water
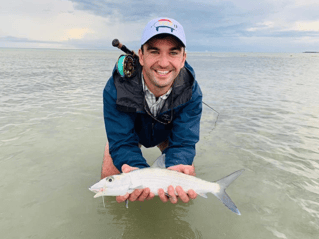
[[52, 140]]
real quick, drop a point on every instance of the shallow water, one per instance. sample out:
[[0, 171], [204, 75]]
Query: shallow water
[[52, 140]]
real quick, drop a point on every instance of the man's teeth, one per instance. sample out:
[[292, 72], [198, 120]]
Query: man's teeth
[[162, 72]]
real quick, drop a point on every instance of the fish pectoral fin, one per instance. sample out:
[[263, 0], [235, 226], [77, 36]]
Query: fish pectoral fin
[[202, 195], [136, 187]]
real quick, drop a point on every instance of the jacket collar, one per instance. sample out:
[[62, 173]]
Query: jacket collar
[[130, 94]]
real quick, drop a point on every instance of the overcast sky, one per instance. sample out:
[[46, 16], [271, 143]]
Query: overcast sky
[[210, 25]]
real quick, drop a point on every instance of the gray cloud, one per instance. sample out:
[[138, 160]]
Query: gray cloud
[[22, 39], [198, 17], [200, 14], [232, 25], [213, 25]]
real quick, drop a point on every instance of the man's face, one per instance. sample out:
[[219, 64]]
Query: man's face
[[162, 61]]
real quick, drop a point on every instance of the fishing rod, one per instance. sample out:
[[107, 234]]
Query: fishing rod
[[126, 66], [119, 45]]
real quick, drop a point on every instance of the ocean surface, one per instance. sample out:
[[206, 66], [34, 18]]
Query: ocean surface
[[52, 140]]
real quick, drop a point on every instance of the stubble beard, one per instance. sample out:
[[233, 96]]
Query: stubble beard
[[157, 82]]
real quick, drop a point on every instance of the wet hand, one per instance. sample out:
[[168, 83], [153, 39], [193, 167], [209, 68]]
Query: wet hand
[[187, 169], [137, 194], [171, 196]]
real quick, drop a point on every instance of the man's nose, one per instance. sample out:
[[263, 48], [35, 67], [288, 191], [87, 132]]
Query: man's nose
[[163, 60]]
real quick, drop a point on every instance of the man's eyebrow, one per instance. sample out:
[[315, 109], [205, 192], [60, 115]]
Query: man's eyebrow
[[149, 48], [176, 48], [152, 48]]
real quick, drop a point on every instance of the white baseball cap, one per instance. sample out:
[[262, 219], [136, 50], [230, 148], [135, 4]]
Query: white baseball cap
[[163, 25]]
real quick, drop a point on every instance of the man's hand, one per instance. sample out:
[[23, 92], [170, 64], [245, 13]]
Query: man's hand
[[187, 169], [185, 197], [137, 194]]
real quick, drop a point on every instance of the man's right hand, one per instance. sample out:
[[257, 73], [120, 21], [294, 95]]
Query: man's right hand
[[137, 194]]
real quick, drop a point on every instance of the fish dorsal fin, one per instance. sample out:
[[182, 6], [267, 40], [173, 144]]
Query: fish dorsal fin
[[159, 162]]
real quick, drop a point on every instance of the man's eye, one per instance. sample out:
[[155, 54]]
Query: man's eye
[[154, 52], [174, 53]]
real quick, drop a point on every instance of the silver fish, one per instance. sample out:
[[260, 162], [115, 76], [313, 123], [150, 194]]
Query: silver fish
[[156, 178]]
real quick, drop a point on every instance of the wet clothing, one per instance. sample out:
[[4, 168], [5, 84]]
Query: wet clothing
[[128, 120]]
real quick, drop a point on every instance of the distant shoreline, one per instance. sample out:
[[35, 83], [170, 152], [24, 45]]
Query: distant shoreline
[[311, 52]]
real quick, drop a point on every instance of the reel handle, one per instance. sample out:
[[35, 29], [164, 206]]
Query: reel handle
[[119, 45]]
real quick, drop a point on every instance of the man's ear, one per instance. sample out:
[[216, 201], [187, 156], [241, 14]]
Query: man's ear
[[184, 58], [141, 56]]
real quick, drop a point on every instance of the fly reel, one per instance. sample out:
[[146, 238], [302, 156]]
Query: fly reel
[[126, 65]]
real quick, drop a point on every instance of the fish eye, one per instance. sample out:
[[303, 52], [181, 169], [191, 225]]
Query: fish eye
[[110, 179]]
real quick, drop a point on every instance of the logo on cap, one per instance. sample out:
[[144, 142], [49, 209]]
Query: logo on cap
[[165, 23]]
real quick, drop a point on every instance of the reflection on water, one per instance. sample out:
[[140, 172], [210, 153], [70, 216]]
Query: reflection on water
[[52, 139], [150, 219]]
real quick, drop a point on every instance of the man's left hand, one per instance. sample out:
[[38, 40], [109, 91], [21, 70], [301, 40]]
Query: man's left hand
[[185, 197]]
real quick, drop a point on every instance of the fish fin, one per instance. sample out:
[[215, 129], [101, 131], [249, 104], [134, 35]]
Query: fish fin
[[159, 162], [226, 181], [126, 203], [103, 201], [202, 195], [135, 187], [222, 195]]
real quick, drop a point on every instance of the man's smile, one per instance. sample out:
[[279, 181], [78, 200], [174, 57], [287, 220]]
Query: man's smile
[[162, 72], [161, 59]]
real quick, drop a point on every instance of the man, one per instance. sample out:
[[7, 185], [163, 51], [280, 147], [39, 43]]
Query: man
[[160, 106]]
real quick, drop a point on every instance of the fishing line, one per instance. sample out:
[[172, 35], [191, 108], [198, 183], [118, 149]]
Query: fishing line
[[213, 110]]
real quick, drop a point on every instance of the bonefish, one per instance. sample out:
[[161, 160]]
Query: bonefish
[[156, 178]]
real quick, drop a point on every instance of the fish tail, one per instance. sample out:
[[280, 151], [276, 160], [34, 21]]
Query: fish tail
[[222, 195]]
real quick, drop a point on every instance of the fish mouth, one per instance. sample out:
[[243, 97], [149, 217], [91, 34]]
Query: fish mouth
[[98, 187], [95, 190]]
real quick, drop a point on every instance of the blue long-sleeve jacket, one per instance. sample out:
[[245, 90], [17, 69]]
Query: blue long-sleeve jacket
[[127, 123]]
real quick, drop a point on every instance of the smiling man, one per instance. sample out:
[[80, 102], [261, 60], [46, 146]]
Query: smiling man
[[160, 106]]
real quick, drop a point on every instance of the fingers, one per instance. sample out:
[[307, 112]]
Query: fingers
[[187, 169], [150, 196], [182, 194], [171, 193], [120, 199], [192, 194], [162, 196], [136, 195], [144, 194], [126, 168], [169, 196], [190, 170]]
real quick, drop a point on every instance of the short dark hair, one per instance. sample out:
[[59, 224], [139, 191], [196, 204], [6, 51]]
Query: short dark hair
[[164, 36]]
